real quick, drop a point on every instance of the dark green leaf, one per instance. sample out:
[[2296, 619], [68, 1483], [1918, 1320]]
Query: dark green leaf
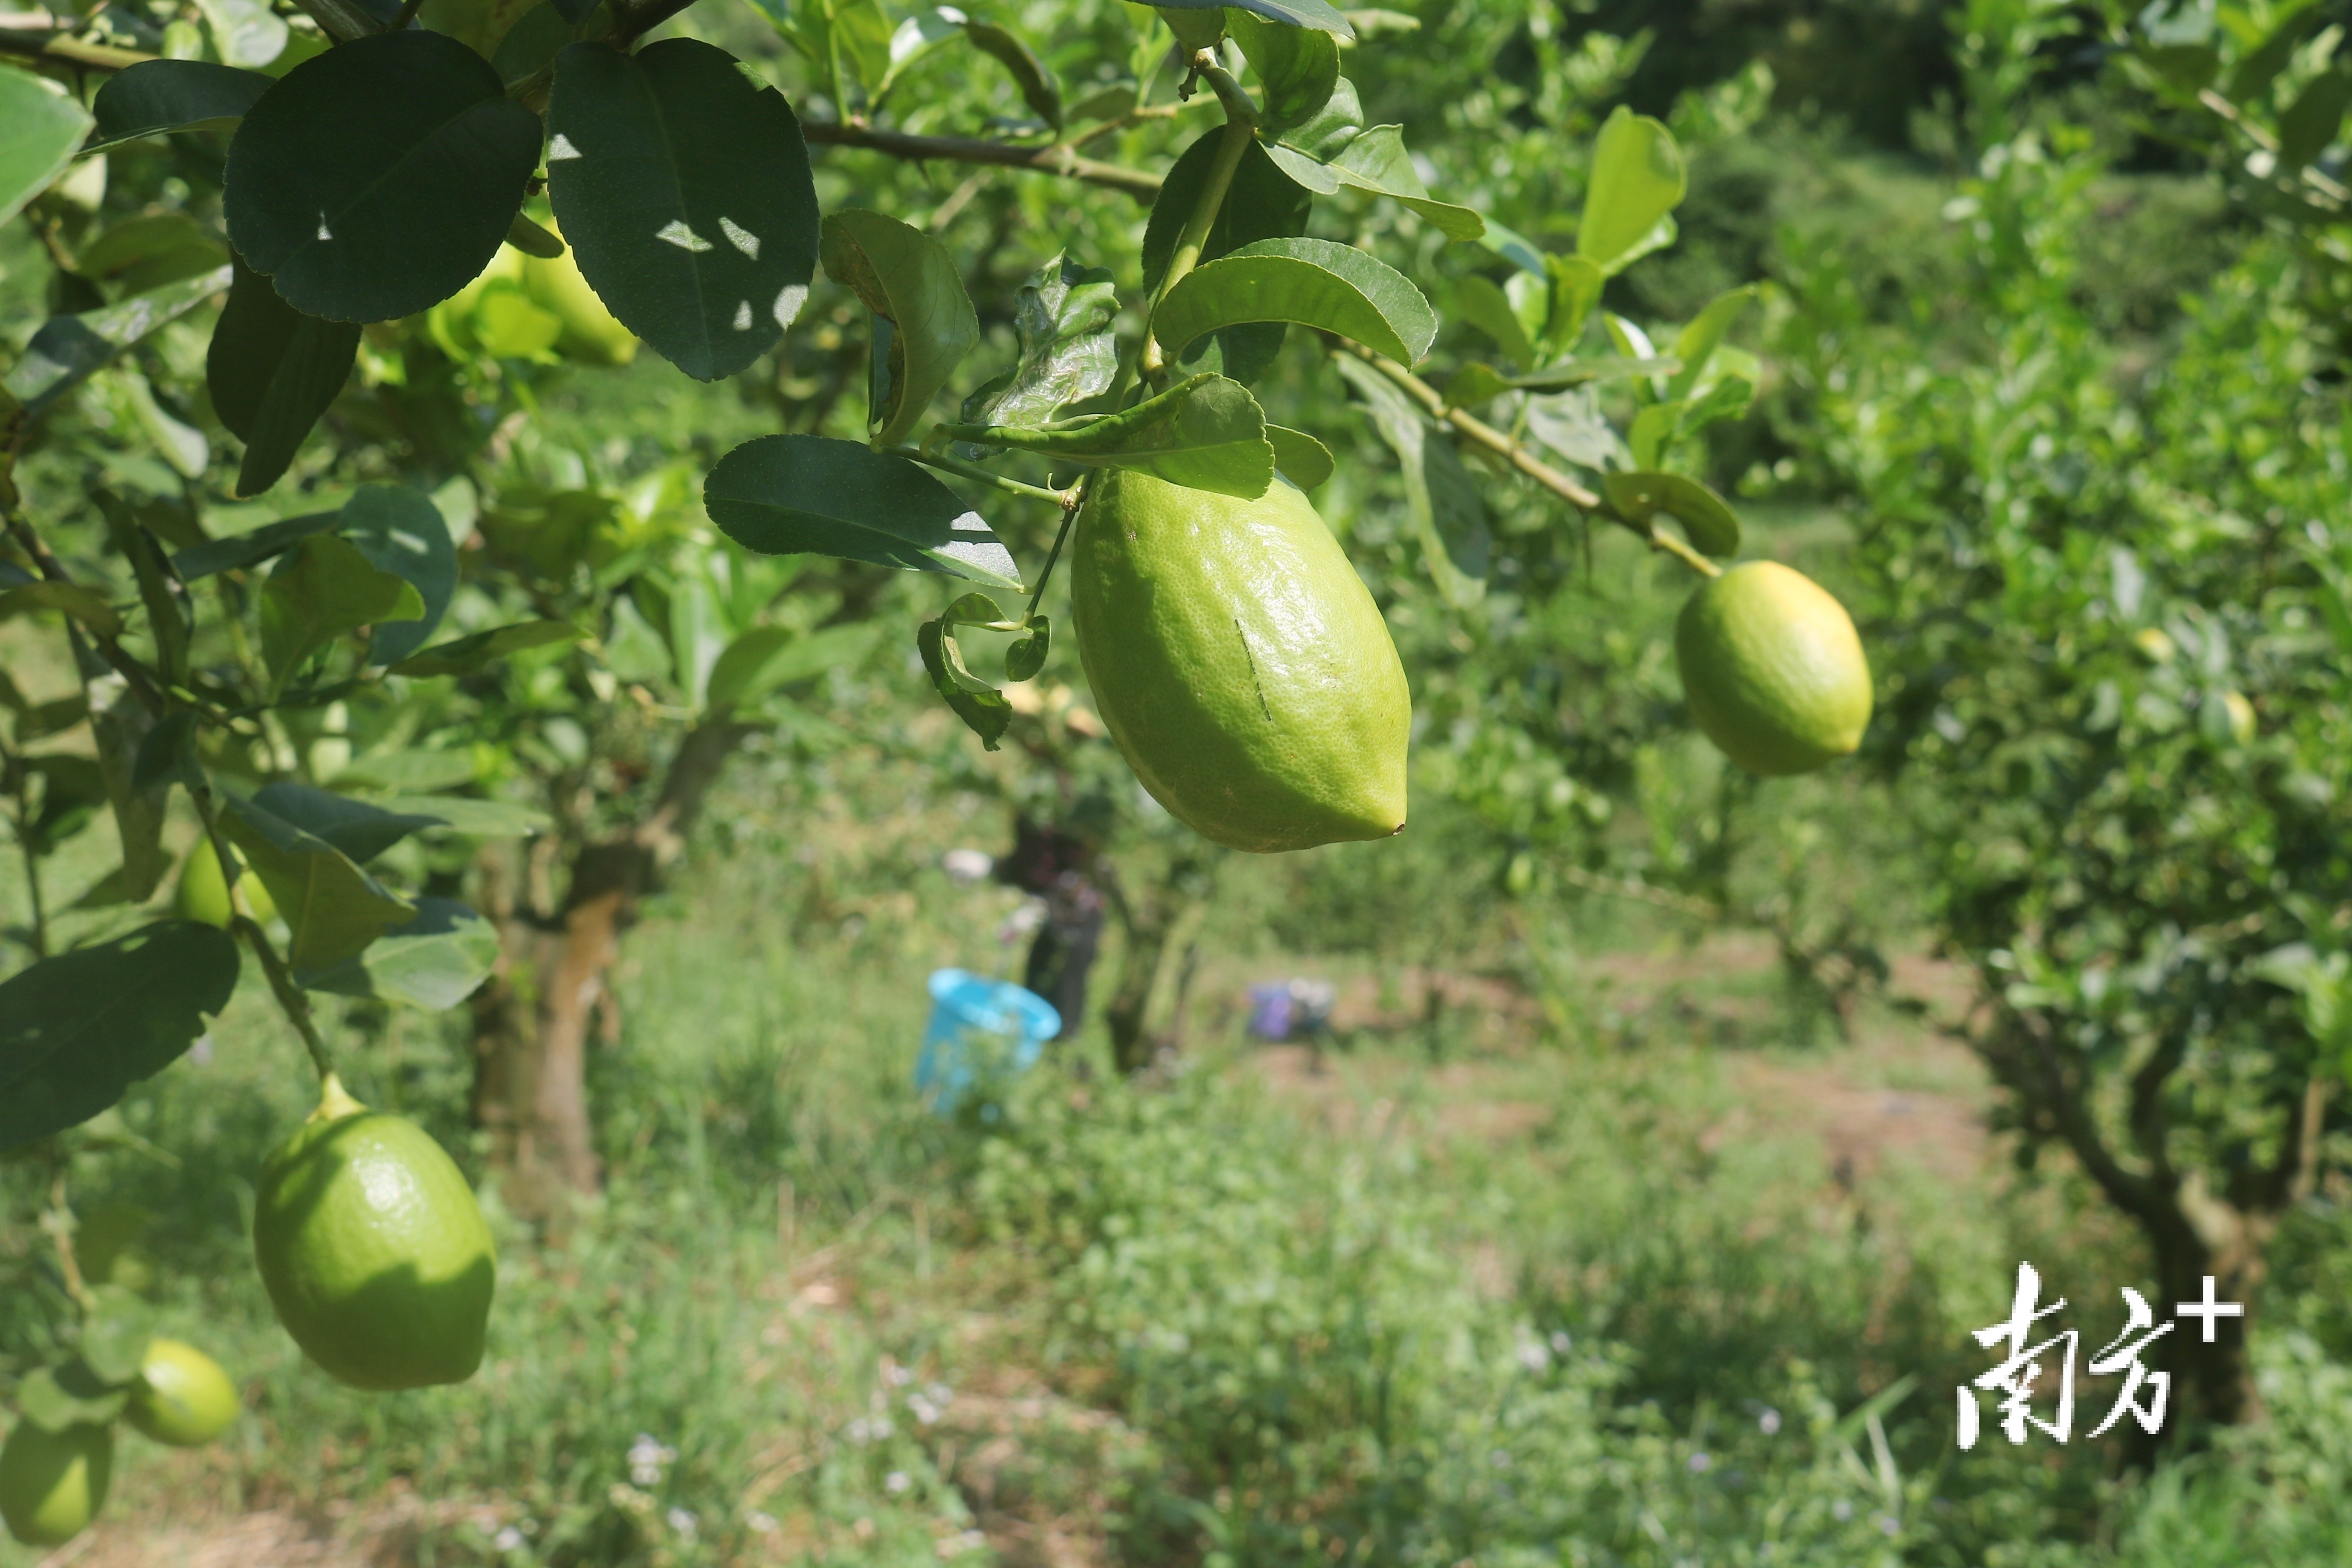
[[45, 127], [434, 961], [1315, 14], [86, 605], [982, 707], [683, 187], [2253, 74], [55, 1398], [531, 45], [156, 96], [766, 657], [116, 1327], [1296, 69], [531, 240], [360, 830], [1026, 656], [67, 349], [167, 618], [376, 226], [332, 907], [1440, 492], [324, 588], [1030, 74], [907, 278], [1476, 383], [783, 495], [119, 725], [272, 371], [1481, 302], [1711, 525], [401, 532], [1207, 433], [151, 250], [1068, 352], [2310, 122], [1315, 282], [78, 1029], [235, 554], [72, 788], [464, 656], [1303, 460], [168, 752], [1262, 203], [1636, 181]]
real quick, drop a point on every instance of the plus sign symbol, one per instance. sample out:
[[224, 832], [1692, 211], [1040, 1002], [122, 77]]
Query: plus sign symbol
[[2209, 1311]]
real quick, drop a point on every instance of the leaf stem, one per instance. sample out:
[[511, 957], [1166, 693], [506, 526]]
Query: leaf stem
[[1240, 130], [974, 471], [290, 1001], [1077, 494], [1484, 434]]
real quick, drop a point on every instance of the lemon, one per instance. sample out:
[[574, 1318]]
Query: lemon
[[1240, 663], [1772, 670], [182, 1398], [591, 332], [52, 1484], [202, 895], [373, 1250]]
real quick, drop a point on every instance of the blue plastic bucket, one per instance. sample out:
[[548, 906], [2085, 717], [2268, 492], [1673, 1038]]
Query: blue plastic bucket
[[980, 1028]]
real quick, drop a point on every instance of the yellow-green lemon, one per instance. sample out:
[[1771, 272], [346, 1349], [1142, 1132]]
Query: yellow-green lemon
[[373, 1250], [591, 332], [52, 1484], [182, 1398], [1772, 670], [1240, 663], [202, 895]]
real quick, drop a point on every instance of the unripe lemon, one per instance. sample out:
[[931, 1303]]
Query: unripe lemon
[[1240, 663], [182, 1398], [373, 1250], [591, 332], [202, 895], [52, 1484], [1772, 670]]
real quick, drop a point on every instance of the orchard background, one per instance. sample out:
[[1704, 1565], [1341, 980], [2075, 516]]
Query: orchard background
[[1675, 1129]]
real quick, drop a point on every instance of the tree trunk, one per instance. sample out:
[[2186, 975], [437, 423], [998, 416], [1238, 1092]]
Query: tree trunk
[[1149, 925], [532, 1021]]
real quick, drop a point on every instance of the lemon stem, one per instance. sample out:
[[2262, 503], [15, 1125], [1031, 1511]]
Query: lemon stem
[[335, 1101], [290, 1001], [1480, 433]]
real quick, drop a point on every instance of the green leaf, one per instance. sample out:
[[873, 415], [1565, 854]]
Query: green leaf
[[1476, 383], [332, 907], [1377, 161], [1579, 373], [1061, 321], [324, 588], [86, 605], [1654, 431], [2260, 66], [1025, 656], [57, 1398], [1481, 302], [2311, 121], [434, 961], [1315, 282], [272, 371], [683, 187], [465, 654], [156, 96], [766, 657], [45, 129], [77, 1030], [1207, 433], [1574, 284], [983, 708], [401, 532], [235, 554], [399, 770], [69, 348], [786, 495], [1030, 74], [116, 1327], [464, 815], [907, 278], [1297, 68], [376, 226], [1696, 344], [1315, 14], [1637, 180], [1513, 247], [1640, 496], [151, 250], [1339, 121], [1298, 456], [1440, 494], [245, 33], [358, 829], [531, 45], [1261, 203]]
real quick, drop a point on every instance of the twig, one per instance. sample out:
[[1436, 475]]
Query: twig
[[1058, 160], [1640, 892], [69, 51], [1240, 130]]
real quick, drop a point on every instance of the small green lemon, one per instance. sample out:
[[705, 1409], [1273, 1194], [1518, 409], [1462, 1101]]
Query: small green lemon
[[202, 895], [182, 1398], [373, 1250], [1772, 670], [591, 332], [1240, 663], [52, 1484]]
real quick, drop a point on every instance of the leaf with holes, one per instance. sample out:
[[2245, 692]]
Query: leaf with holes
[[45, 129], [77, 1030], [682, 186], [908, 280], [157, 95], [787, 495], [1314, 282], [332, 907], [272, 371], [376, 226], [1639, 497], [1061, 321], [324, 588]]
